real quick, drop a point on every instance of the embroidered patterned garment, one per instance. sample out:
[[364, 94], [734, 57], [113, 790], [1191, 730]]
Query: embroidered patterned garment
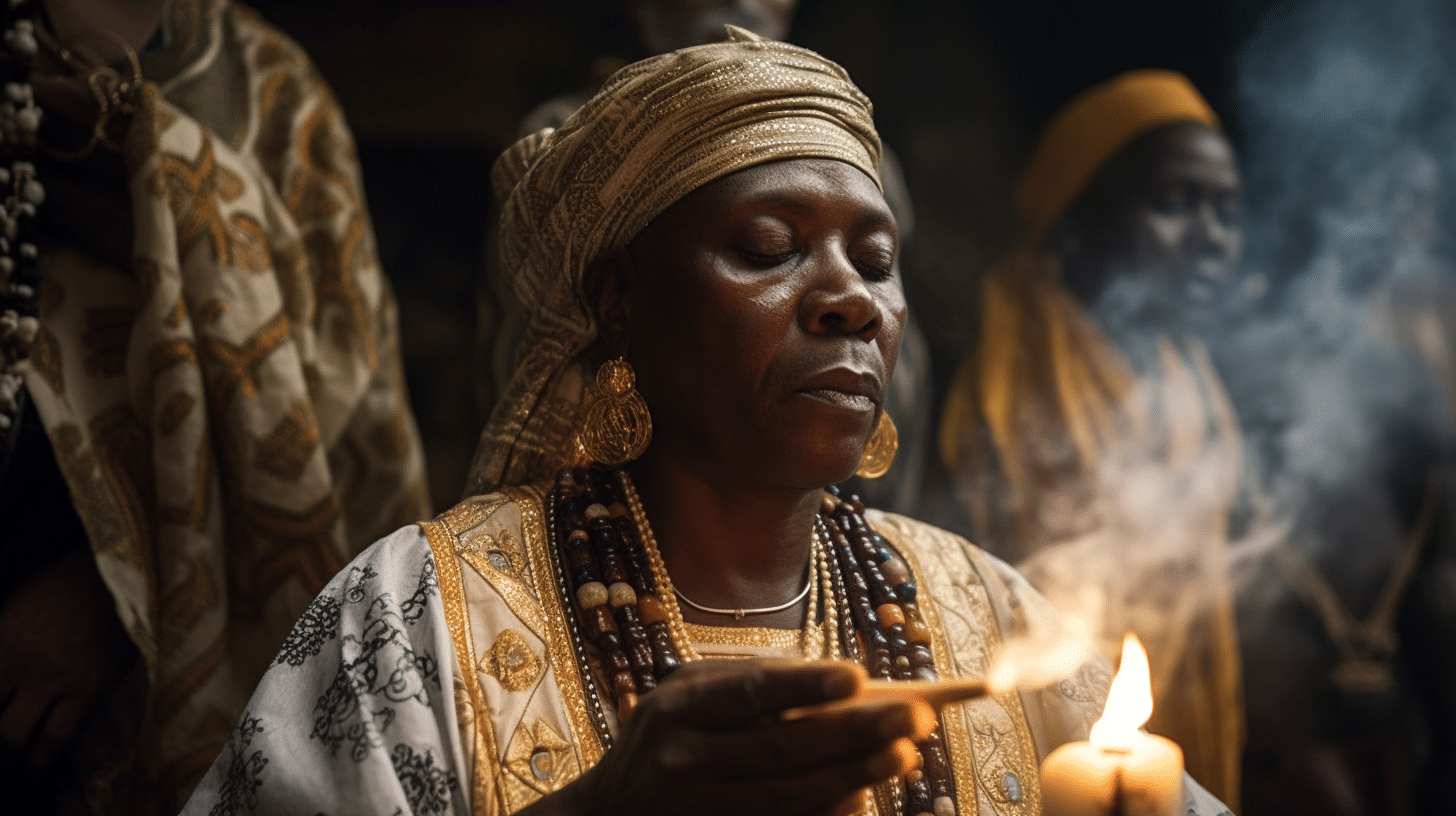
[[437, 674], [229, 412]]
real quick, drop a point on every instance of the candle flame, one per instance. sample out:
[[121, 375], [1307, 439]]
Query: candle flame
[[1129, 701]]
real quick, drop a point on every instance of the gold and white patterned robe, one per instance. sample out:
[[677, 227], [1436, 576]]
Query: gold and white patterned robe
[[438, 674]]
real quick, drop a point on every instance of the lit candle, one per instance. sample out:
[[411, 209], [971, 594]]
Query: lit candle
[[1119, 770]]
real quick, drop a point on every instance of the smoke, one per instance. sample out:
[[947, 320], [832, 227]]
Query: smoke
[[1333, 348]]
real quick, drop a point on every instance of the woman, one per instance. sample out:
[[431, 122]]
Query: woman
[[1087, 433], [708, 240]]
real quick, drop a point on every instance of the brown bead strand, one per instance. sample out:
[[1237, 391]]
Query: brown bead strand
[[930, 789], [592, 598], [653, 616], [627, 621], [612, 601]]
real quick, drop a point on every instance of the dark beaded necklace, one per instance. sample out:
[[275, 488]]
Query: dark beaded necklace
[[606, 563]]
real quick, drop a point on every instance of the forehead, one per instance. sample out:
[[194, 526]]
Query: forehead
[[818, 187], [1178, 152]]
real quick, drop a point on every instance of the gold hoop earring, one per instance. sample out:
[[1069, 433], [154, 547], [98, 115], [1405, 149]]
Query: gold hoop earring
[[879, 452], [618, 426]]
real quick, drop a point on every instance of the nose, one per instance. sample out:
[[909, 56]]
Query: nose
[[839, 300], [1211, 235]]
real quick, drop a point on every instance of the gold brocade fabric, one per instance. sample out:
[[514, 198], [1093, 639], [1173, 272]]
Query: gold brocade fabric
[[229, 413], [532, 720], [1089, 475], [657, 130]]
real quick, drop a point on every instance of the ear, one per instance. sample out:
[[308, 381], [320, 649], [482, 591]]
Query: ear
[[607, 284]]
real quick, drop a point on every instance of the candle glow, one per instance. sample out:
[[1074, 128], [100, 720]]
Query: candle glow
[[1119, 770], [1129, 701]]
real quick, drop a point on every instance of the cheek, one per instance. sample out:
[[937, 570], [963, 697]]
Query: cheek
[[1159, 237]]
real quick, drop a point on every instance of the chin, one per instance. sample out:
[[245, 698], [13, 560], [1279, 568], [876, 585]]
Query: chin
[[818, 468]]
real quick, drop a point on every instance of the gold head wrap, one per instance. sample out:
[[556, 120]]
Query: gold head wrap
[[657, 130], [1094, 127]]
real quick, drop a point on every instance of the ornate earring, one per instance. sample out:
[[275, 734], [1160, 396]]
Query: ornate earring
[[879, 452], [618, 426]]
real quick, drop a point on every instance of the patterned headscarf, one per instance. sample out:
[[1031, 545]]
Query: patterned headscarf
[[656, 131]]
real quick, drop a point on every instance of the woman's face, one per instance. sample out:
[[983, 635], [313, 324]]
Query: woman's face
[[1163, 216], [763, 313]]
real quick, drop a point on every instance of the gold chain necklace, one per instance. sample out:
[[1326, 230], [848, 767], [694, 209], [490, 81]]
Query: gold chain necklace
[[818, 589]]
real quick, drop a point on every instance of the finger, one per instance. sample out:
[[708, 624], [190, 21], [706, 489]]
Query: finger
[[745, 697], [54, 735], [803, 745], [19, 720], [825, 789]]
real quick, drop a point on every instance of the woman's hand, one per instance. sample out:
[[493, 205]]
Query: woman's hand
[[712, 740]]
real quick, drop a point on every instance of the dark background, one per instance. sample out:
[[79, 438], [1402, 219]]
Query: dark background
[[434, 89]]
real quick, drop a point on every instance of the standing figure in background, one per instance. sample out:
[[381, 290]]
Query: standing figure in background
[[664, 26], [1087, 433], [204, 405]]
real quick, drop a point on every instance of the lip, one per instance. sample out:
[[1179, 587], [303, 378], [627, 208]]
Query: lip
[[846, 388]]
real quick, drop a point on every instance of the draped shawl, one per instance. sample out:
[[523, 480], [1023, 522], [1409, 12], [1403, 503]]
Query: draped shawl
[[228, 412]]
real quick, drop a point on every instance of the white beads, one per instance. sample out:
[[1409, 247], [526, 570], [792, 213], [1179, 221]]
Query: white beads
[[622, 594], [9, 388], [592, 594], [21, 38]]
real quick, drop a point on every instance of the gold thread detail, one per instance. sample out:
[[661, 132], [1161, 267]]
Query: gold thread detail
[[457, 616], [512, 662]]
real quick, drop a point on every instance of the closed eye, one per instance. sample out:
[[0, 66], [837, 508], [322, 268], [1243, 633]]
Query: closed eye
[[764, 260]]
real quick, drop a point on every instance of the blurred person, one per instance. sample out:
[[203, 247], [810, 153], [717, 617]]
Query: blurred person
[[667, 25], [1087, 433], [201, 393], [650, 574]]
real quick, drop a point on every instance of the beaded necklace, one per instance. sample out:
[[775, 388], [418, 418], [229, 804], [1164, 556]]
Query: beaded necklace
[[21, 193], [613, 576]]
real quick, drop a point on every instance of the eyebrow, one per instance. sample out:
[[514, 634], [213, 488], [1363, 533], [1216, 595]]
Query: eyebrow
[[791, 201]]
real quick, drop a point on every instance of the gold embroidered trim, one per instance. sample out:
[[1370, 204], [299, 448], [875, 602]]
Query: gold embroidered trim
[[457, 615], [512, 662], [541, 758], [559, 651], [977, 748], [474, 547], [755, 636]]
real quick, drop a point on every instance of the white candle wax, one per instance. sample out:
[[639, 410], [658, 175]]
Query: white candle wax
[[1080, 779]]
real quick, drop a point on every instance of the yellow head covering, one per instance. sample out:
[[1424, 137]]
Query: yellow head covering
[[656, 131], [1094, 127]]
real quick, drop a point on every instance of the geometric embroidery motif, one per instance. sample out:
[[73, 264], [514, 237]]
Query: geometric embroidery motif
[[511, 662], [539, 757], [287, 449], [507, 556]]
